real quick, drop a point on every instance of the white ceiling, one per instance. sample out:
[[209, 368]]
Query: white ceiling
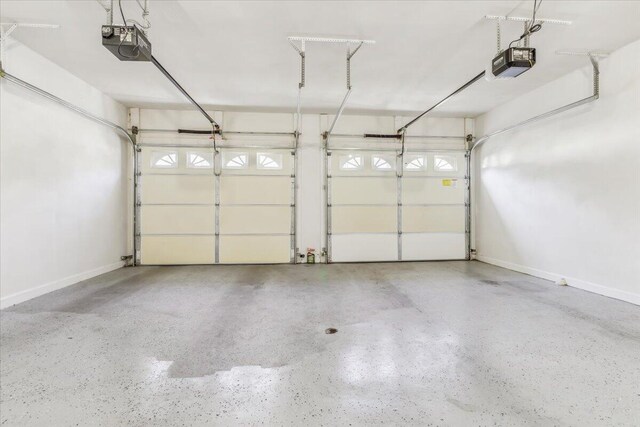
[[235, 54]]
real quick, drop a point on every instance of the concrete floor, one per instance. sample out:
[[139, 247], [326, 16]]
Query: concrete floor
[[449, 343]]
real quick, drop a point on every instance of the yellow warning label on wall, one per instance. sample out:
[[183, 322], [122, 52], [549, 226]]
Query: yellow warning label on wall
[[449, 182]]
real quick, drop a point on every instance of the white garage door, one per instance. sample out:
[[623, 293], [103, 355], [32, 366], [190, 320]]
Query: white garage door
[[433, 206], [189, 214], [176, 191], [256, 206], [377, 214], [362, 206]]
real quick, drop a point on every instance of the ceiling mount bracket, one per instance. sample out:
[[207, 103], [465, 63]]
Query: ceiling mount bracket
[[589, 53], [302, 52], [349, 56], [527, 19], [108, 9], [498, 37], [593, 56], [527, 23], [12, 26], [349, 87]]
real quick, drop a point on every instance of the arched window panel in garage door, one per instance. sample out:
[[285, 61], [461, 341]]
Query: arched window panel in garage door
[[449, 164], [364, 163], [256, 206], [433, 206], [199, 160], [362, 206]]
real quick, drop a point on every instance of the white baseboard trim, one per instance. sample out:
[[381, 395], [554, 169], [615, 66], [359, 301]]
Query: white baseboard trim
[[28, 294], [571, 281]]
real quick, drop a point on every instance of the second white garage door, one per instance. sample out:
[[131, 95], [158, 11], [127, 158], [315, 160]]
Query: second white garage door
[[362, 206], [377, 214]]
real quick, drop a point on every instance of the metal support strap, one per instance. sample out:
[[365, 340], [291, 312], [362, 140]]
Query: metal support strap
[[303, 68], [348, 94], [349, 56], [339, 112], [303, 57]]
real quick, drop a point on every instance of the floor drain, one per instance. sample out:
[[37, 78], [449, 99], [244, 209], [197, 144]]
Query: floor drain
[[330, 331]]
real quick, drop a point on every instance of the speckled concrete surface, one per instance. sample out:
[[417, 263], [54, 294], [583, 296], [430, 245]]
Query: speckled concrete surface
[[450, 343]]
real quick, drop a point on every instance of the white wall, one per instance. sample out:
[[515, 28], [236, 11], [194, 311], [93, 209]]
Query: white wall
[[63, 195], [561, 198]]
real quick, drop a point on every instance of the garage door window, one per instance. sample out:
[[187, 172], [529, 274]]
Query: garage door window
[[415, 163], [351, 162], [199, 160], [445, 164], [269, 161], [235, 160], [164, 159], [381, 163]]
